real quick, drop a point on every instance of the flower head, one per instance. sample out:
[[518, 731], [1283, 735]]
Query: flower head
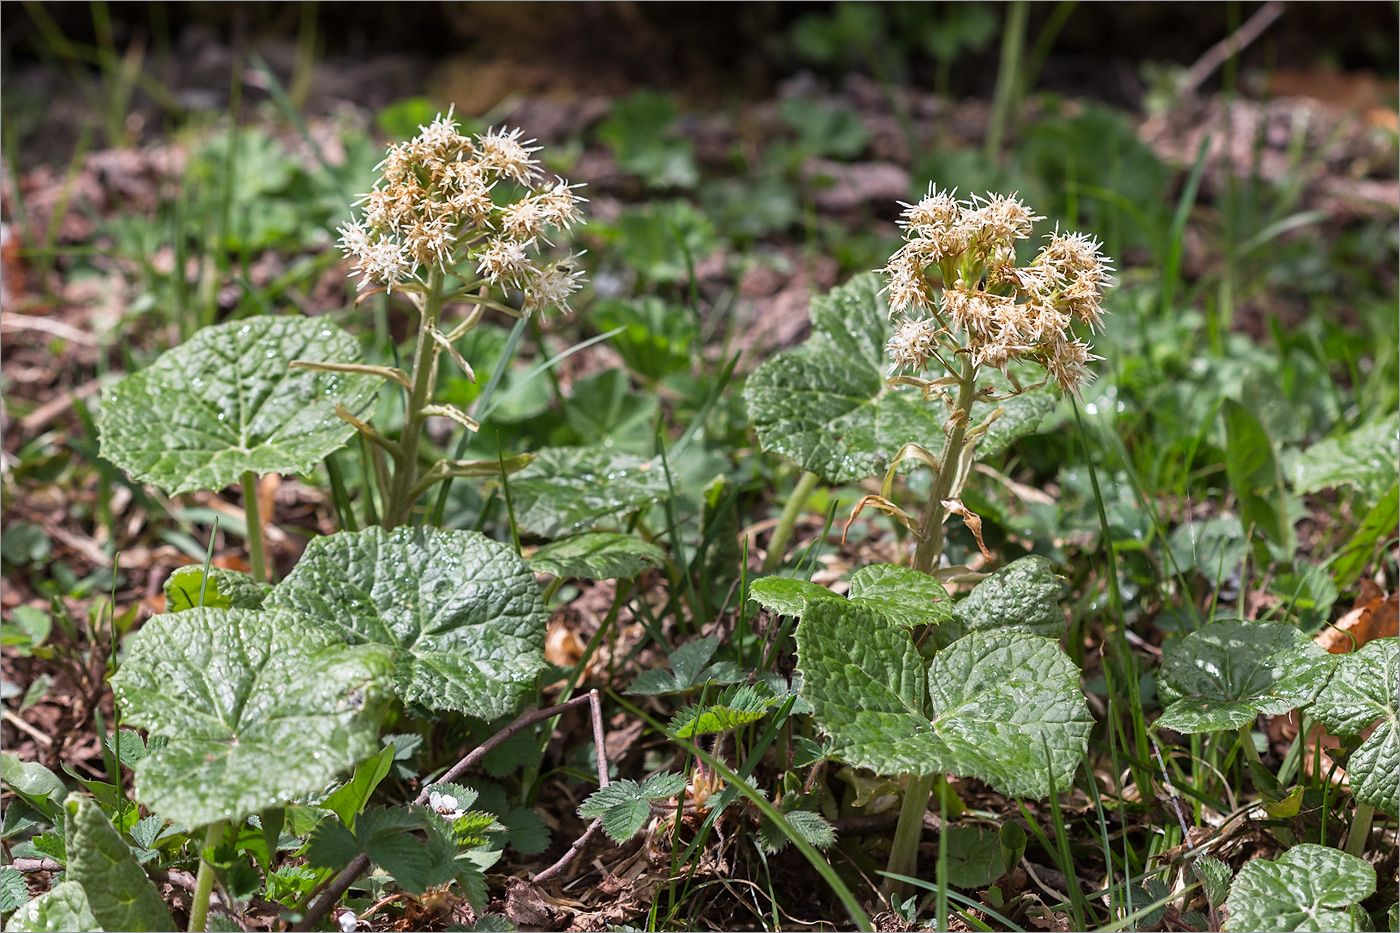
[[984, 305]]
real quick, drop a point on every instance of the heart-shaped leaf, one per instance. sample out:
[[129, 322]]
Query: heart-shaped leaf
[[1362, 693], [1366, 459], [1227, 673], [225, 402], [1309, 887], [603, 555], [119, 894], [221, 589], [566, 490], [461, 613], [900, 594], [990, 706], [260, 706], [63, 909], [1023, 596], [825, 404]]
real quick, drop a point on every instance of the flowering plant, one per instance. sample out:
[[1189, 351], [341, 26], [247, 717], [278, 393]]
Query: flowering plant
[[454, 220], [984, 311]]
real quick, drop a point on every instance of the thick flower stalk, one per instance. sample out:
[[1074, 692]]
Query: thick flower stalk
[[454, 220], [962, 305]]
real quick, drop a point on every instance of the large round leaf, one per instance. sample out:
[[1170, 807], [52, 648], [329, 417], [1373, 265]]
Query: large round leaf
[[1362, 694], [225, 402], [259, 706], [461, 613], [1307, 888], [566, 490], [1227, 673], [825, 404], [1000, 707]]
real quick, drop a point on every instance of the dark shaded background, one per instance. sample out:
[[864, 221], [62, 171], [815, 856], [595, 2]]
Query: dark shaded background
[[680, 45]]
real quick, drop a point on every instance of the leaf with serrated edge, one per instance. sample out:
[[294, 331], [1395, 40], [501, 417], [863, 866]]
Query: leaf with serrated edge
[[1365, 459], [902, 594], [461, 613], [119, 893], [225, 402], [566, 490], [63, 909], [1226, 674], [1307, 888], [261, 706], [621, 805], [1023, 596], [602, 555], [825, 405], [999, 701], [785, 596], [225, 589], [1362, 693]]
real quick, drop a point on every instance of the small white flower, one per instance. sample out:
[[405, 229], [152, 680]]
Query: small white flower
[[505, 260], [552, 286], [445, 805], [506, 154], [346, 920]]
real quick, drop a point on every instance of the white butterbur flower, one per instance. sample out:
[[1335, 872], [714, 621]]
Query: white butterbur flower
[[551, 286], [913, 345], [505, 153], [505, 260], [988, 308]]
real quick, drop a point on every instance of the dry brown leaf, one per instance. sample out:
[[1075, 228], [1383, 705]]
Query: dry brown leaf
[[1374, 615]]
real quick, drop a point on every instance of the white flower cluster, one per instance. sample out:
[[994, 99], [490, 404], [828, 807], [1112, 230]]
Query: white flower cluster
[[434, 208], [987, 306]]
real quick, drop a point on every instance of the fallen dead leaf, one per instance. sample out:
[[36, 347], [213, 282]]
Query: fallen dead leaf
[[1374, 615]]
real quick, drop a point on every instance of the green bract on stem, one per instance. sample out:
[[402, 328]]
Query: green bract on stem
[[963, 306], [454, 220]]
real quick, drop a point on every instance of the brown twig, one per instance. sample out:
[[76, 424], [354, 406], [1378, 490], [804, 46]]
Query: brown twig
[[1231, 45], [360, 863], [28, 865]]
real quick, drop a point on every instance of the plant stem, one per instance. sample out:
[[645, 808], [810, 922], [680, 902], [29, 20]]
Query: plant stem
[[423, 376], [904, 851], [204, 881], [930, 546], [1360, 829], [254, 522], [777, 546]]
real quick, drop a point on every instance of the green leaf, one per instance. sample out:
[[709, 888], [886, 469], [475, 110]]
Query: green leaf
[[602, 555], [811, 827], [227, 403], [525, 830], [566, 490], [1379, 525], [998, 701], [1366, 459], [415, 863], [901, 594], [785, 596], [261, 706], [492, 923], [14, 892], [625, 805], [1254, 475], [461, 613], [1362, 693], [1215, 876], [689, 665], [64, 909], [331, 845], [1307, 888], [1023, 596], [974, 856], [735, 707], [226, 589], [118, 891], [351, 797], [1226, 674], [825, 405], [30, 778]]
